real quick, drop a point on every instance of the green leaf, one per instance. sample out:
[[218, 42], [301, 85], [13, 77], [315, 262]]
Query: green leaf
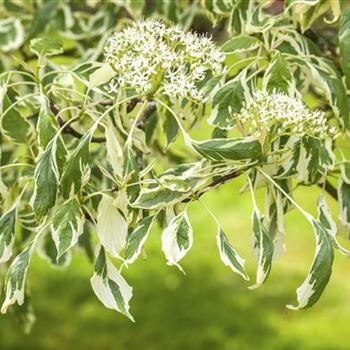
[[7, 233], [264, 247], [110, 287], [76, 170], [229, 149], [16, 278], [278, 75], [67, 225], [137, 239], [13, 125], [177, 239], [241, 43], [11, 34], [344, 43], [317, 279], [46, 177], [228, 100], [228, 254], [46, 46], [112, 226]]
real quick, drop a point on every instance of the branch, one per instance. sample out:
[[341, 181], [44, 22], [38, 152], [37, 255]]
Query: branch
[[327, 186], [217, 182], [70, 130], [151, 107], [330, 189]]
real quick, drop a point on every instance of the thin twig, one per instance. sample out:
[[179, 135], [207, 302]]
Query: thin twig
[[70, 130]]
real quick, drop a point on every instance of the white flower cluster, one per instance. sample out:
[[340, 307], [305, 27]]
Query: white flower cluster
[[152, 57], [287, 114]]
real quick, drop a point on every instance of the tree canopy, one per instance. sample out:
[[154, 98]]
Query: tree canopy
[[100, 107]]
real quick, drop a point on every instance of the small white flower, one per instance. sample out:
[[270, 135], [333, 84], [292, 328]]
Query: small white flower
[[286, 114], [153, 58]]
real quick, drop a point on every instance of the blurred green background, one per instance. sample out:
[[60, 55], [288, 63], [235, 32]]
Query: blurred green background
[[209, 308]]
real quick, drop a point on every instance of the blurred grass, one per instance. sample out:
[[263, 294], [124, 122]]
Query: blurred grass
[[210, 308]]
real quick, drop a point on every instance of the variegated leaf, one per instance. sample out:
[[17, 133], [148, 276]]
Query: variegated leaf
[[7, 233], [264, 247], [229, 149], [278, 76], [46, 177], [228, 99], [344, 202], [344, 43], [67, 225], [110, 286], [47, 250], [137, 239], [326, 220], [219, 7], [47, 128], [177, 239], [317, 279], [101, 75], [315, 159], [16, 278], [11, 34], [13, 125], [114, 150], [345, 172], [46, 46], [241, 43], [47, 125], [275, 207], [112, 226], [308, 11], [76, 170], [131, 174], [228, 254], [158, 197], [334, 91]]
